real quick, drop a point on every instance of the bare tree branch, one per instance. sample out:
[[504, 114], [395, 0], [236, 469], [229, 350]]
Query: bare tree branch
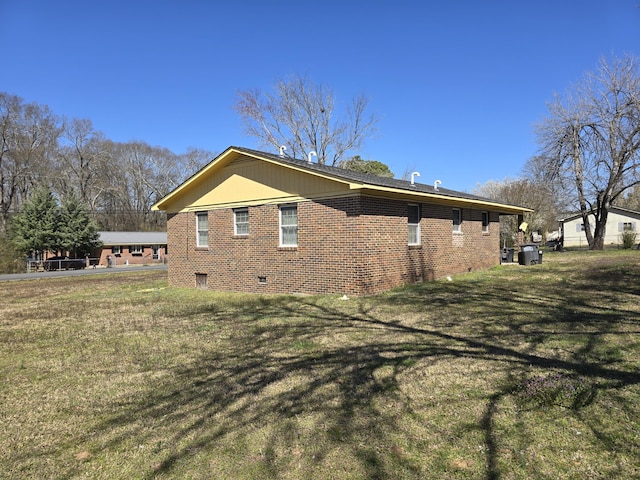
[[304, 117], [592, 137]]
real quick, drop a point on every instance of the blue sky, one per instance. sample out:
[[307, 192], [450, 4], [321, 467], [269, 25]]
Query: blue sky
[[458, 84]]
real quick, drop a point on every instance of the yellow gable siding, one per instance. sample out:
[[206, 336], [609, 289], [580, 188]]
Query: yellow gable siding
[[252, 182]]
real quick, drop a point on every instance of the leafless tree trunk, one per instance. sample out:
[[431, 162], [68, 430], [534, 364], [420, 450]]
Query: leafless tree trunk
[[592, 141]]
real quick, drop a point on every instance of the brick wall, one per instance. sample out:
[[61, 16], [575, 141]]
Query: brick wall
[[391, 262], [351, 245], [125, 257]]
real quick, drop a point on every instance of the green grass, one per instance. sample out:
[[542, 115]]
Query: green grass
[[515, 373]]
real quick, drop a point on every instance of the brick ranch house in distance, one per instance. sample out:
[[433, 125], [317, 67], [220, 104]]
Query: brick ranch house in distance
[[131, 248], [252, 221]]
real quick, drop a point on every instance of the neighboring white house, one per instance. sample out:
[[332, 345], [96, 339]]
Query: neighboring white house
[[618, 220]]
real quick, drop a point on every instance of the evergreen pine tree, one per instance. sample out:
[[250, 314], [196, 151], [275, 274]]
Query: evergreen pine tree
[[78, 232], [36, 228]]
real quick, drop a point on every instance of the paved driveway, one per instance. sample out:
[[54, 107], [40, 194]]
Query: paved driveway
[[87, 271]]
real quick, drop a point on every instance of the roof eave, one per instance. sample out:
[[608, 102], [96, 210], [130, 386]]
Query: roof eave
[[442, 199], [212, 165], [226, 156]]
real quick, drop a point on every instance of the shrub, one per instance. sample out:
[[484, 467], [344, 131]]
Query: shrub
[[11, 260], [628, 238]]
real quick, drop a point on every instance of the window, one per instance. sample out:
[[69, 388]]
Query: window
[[135, 249], [413, 215], [202, 229], [626, 226], [485, 222], [457, 220], [241, 221], [289, 226], [116, 250]]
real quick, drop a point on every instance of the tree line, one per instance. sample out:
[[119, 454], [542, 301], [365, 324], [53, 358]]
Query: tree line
[[588, 161], [117, 182]]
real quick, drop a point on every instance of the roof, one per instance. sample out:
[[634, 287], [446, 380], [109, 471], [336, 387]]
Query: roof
[[133, 238], [618, 210], [362, 180]]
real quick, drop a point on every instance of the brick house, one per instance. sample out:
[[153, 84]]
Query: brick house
[[131, 248], [252, 221]]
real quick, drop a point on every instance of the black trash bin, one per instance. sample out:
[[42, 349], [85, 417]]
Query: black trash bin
[[507, 255], [528, 254]]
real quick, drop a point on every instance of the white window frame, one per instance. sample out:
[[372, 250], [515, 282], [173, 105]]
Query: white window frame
[[413, 228], [457, 228], [627, 226], [288, 225], [136, 249], [485, 226], [242, 232], [202, 231], [116, 250]]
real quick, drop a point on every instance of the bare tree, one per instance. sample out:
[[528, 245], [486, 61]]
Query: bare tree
[[631, 199], [591, 140], [117, 182], [80, 158], [304, 117], [10, 107], [135, 176], [29, 134], [170, 170], [535, 195]]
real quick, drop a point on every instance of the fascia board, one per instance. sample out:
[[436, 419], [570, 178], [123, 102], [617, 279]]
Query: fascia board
[[219, 162], [375, 190]]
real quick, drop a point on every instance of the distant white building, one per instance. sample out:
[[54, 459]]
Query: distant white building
[[572, 228]]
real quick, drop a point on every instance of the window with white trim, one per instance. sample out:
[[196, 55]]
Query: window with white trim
[[485, 222], [457, 220], [116, 250], [289, 226], [413, 217], [627, 226], [241, 221], [135, 249], [202, 229]]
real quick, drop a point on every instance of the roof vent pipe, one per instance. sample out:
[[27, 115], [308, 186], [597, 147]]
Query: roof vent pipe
[[282, 149], [436, 183], [413, 175], [310, 154]]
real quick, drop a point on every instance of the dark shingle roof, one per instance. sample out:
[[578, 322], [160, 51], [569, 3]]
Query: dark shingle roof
[[369, 179], [567, 217]]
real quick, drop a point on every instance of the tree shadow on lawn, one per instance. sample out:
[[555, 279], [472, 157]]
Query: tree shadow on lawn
[[333, 374]]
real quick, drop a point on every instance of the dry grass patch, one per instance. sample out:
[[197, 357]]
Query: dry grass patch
[[121, 377]]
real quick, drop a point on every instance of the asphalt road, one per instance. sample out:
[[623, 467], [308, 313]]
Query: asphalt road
[[87, 271]]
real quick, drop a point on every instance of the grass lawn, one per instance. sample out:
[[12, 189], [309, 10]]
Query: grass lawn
[[515, 373]]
